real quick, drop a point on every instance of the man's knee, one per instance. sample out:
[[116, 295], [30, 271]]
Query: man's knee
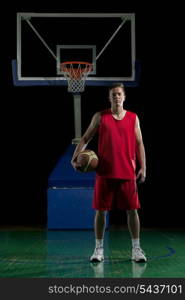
[[132, 212], [101, 213]]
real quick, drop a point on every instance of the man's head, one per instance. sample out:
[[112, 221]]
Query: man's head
[[117, 94]]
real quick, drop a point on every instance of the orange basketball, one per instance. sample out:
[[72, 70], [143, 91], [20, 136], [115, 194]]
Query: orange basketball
[[88, 161]]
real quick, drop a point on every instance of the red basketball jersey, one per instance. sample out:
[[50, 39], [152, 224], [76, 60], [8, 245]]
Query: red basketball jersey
[[117, 146]]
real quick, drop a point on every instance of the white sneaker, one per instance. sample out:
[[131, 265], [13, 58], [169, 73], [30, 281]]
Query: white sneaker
[[97, 255], [138, 255]]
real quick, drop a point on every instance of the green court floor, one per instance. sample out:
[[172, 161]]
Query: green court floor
[[53, 254]]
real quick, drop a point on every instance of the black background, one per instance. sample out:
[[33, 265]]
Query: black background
[[37, 122]]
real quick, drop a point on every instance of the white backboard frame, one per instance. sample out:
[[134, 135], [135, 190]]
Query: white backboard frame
[[23, 16]]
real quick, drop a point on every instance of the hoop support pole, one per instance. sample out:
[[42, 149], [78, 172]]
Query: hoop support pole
[[77, 118]]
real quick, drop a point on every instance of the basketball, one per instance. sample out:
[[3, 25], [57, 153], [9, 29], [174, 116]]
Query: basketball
[[88, 161]]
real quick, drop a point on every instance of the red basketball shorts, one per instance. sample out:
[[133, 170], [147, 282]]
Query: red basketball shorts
[[115, 194]]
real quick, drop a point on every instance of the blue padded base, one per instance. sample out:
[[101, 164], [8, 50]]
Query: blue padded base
[[63, 175], [70, 196], [70, 208]]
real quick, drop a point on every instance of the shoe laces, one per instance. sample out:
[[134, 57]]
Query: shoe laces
[[98, 250], [139, 250]]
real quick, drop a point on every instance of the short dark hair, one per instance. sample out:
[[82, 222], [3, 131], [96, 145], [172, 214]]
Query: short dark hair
[[117, 85]]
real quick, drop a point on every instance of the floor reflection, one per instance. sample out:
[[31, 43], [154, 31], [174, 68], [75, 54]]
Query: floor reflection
[[137, 269]]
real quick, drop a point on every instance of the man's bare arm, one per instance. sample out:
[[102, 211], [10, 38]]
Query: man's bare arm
[[140, 152], [86, 138]]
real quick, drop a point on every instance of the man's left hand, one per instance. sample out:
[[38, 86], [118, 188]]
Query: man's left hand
[[141, 176]]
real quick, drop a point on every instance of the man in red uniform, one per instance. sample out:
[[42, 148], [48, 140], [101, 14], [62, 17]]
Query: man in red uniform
[[120, 143]]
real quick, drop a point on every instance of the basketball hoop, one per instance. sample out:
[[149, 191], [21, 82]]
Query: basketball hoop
[[76, 73]]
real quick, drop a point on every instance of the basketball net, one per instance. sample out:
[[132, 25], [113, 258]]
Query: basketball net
[[76, 73]]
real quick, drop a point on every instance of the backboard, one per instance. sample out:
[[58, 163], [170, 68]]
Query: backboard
[[45, 40]]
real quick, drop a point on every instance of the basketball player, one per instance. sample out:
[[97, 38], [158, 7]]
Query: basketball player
[[119, 145]]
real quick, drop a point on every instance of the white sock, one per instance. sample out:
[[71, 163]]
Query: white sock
[[99, 243], [135, 243]]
